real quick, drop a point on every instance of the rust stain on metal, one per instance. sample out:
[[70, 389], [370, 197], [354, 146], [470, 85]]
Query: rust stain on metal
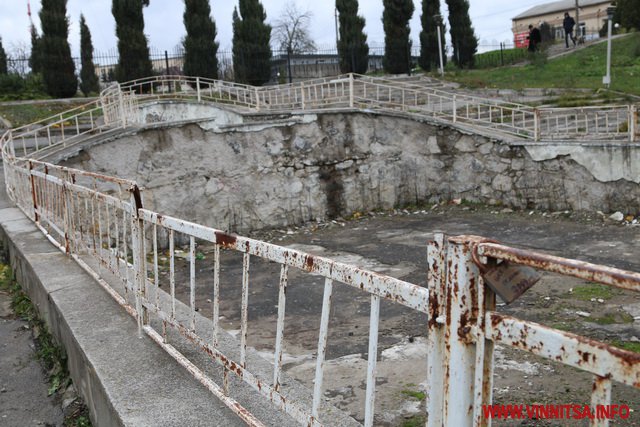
[[137, 197], [593, 272], [309, 261], [627, 357], [225, 239]]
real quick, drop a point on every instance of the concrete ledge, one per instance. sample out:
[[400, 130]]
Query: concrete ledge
[[125, 380]]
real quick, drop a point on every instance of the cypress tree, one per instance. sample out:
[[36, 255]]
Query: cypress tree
[[431, 20], [200, 47], [59, 74], [133, 50], [628, 14], [353, 50], [35, 60], [3, 59], [463, 39], [251, 44], [88, 77], [397, 46]]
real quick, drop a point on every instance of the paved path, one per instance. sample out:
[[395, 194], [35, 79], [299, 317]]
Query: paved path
[[23, 386]]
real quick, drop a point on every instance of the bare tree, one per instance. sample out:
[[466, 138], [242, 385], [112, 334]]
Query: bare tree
[[18, 58], [291, 32]]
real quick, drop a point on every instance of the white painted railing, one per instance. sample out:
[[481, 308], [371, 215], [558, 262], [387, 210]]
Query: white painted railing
[[604, 123]]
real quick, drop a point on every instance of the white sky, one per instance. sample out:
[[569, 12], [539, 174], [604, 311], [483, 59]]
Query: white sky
[[164, 28]]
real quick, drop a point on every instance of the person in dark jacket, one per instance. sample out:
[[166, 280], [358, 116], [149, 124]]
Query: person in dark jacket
[[568, 23], [534, 38]]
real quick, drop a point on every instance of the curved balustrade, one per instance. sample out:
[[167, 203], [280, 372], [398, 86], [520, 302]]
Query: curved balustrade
[[117, 107]]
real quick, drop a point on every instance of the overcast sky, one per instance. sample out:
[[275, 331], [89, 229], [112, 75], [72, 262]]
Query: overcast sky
[[164, 28]]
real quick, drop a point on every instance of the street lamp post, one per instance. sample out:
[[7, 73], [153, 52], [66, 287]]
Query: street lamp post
[[438, 18], [606, 80], [440, 52]]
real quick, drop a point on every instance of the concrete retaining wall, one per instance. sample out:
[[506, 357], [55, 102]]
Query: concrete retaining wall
[[333, 164]]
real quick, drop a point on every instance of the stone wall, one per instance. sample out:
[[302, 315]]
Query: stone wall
[[333, 164]]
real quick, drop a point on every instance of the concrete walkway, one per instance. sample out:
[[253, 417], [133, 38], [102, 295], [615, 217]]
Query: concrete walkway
[[24, 399]]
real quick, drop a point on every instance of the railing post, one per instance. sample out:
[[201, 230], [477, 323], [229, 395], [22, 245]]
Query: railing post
[[123, 114], [137, 248], [350, 90], [633, 122], [33, 190], [436, 253], [455, 109], [462, 332], [302, 94], [198, 89], [66, 202], [536, 124], [257, 92]]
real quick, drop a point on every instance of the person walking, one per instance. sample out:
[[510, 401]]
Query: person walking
[[568, 23], [534, 38]]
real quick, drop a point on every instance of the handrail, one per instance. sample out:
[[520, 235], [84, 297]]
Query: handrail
[[118, 108]]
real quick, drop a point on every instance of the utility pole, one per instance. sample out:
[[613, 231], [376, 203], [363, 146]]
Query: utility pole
[[440, 51], [606, 80], [337, 36]]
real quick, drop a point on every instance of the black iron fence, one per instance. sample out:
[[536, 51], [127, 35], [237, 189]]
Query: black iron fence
[[320, 63]]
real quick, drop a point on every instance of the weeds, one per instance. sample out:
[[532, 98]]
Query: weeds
[[51, 356]]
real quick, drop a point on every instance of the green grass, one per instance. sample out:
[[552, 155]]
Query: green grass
[[415, 421], [495, 58], [418, 395], [23, 114], [628, 345], [582, 69], [612, 319], [592, 290]]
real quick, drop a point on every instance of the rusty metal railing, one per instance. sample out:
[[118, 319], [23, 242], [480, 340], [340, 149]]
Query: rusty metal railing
[[100, 222], [464, 327]]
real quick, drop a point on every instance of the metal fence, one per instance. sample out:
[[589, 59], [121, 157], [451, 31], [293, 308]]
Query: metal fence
[[101, 222], [415, 96]]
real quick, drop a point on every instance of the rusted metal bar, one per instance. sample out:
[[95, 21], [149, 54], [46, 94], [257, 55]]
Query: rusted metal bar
[[282, 299], [138, 266], [600, 396], [322, 347], [244, 310], [289, 406], [461, 317], [370, 399], [570, 349], [392, 289], [580, 269], [172, 273], [437, 285], [232, 404], [156, 278], [216, 296], [192, 281]]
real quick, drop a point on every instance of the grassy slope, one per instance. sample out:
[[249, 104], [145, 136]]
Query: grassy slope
[[583, 69], [26, 113]]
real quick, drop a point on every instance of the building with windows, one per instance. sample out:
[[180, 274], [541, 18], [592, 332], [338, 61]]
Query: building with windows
[[592, 16]]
